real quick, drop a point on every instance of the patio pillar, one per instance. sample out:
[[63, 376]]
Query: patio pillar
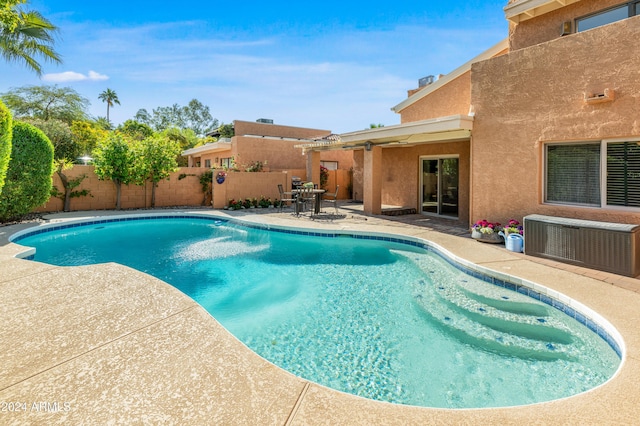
[[313, 167], [372, 181], [190, 160]]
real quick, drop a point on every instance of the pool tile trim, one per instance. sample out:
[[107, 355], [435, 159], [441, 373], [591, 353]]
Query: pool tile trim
[[584, 315]]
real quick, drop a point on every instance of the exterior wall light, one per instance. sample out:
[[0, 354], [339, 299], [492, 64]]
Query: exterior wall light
[[368, 145]]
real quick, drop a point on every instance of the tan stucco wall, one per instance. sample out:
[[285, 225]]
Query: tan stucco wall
[[172, 192], [279, 154], [535, 95], [344, 158], [452, 99], [242, 185], [401, 174], [547, 27], [213, 156], [242, 128]]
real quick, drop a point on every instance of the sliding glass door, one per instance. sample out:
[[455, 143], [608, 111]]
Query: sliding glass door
[[439, 186]]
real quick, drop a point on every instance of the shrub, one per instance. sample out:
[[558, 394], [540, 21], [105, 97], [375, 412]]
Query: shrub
[[28, 183], [5, 142]]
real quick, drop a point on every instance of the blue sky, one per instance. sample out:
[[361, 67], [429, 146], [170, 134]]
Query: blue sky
[[330, 65]]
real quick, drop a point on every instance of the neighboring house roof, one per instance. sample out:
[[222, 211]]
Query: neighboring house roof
[[487, 54], [521, 10], [221, 145], [440, 129]]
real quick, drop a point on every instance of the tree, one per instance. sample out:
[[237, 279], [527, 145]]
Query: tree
[[194, 116], [66, 150], [198, 118], [113, 159], [60, 135], [46, 103], [155, 160], [110, 97], [28, 182], [226, 131], [87, 134], [9, 14], [25, 35], [5, 141], [186, 138], [103, 123], [135, 130], [69, 184]]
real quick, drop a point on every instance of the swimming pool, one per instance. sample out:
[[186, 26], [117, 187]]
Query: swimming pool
[[377, 316]]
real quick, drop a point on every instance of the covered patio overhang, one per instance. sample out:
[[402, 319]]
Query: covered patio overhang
[[210, 148], [440, 129], [372, 141]]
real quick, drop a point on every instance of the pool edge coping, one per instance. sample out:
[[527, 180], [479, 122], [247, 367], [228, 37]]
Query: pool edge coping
[[594, 321]]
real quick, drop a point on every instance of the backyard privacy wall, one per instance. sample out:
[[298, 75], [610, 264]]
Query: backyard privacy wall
[[184, 189], [173, 192], [242, 185]]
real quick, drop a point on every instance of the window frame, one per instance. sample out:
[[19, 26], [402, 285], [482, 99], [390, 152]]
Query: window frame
[[633, 9], [227, 162], [333, 164], [604, 143], [546, 191]]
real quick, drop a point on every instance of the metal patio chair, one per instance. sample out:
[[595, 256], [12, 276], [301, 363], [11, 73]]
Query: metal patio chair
[[333, 198], [285, 196]]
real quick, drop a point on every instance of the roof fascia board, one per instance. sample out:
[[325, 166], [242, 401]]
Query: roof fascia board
[[526, 9], [438, 129], [212, 147], [487, 54], [407, 129]]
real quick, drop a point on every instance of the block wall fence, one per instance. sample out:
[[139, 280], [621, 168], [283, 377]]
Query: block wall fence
[[183, 189]]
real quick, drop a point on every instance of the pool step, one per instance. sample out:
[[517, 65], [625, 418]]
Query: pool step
[[524, 318], [497, 325]]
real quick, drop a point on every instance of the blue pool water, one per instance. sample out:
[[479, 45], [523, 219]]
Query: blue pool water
[[378, 319]]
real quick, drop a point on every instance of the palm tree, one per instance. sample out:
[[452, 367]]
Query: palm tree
[[26, 35], [110, 97]]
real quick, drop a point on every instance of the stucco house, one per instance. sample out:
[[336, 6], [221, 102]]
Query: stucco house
[[265, 142], [546, 122]]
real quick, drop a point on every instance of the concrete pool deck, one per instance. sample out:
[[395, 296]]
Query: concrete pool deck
[[107, 344]]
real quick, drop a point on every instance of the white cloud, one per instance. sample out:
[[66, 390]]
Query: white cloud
[[71, 76]]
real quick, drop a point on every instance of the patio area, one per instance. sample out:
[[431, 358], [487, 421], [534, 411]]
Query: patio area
[[107, 344]]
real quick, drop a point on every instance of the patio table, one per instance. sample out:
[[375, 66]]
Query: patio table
[[317, 193]]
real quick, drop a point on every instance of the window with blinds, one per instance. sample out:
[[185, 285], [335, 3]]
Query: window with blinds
[[573, 174], [623, 174]]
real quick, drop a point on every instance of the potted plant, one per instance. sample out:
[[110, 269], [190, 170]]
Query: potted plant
[[513, 227], [235, 205], [513, 236], [487, 232], [264, 202]]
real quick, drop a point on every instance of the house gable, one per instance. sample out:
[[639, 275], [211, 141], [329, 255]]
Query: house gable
[[451, 88]]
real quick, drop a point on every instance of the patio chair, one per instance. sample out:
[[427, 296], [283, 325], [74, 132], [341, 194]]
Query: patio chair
[[305, 196], [333, 198], [285, 196]]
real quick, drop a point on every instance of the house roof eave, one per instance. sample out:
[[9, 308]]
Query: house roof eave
[[522, 10], [210, 147], [440, 129]]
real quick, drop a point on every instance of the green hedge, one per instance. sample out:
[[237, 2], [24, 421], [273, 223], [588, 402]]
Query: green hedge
[[28, 182], [5, 142]]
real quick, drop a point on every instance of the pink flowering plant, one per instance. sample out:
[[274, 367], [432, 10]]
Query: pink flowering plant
[[485, 227], [513, 227]]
